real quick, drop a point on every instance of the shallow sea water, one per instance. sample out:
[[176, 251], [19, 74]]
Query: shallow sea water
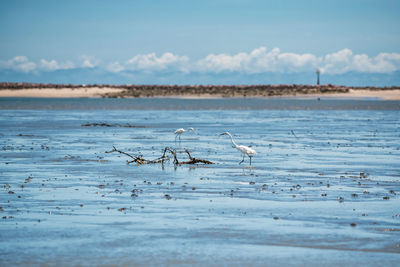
[[323, 190]]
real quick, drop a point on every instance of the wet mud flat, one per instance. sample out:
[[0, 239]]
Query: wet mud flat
[[323, 189]]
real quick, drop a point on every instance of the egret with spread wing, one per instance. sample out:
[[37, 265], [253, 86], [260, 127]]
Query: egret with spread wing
[[245, 150]]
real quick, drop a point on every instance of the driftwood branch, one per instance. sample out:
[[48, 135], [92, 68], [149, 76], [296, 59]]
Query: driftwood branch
[[140, 160], [173, 152], [119, 151], [194, 160]]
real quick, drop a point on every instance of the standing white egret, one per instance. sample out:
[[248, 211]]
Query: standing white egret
[[180, 131], [245, 150]]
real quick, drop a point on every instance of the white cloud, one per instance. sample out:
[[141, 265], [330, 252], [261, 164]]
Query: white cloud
[[19, 63], [345, 61], [298, 61], [150, 62], [115, 67], [49, 65], [260, 60], [53, 65], [382, 63], [257, 61], [89, 62], [338, 62]]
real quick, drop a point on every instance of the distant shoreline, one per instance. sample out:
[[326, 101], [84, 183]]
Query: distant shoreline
[[195, 91]]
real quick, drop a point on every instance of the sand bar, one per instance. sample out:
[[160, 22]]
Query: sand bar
[[195, 91], [358, 94], [91, 92]]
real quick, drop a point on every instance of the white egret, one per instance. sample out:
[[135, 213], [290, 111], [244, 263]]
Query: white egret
[[180, 131], [245, 150]]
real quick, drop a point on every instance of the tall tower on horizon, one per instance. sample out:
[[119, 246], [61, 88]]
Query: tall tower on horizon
[[318, 73]]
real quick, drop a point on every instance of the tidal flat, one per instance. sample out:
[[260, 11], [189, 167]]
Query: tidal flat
[[323, 189]]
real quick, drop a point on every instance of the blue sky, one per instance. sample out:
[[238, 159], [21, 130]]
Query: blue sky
[[185, 37]]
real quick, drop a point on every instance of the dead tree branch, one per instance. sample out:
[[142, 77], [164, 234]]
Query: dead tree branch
[[194, 160], [119, 151], [140, 160]]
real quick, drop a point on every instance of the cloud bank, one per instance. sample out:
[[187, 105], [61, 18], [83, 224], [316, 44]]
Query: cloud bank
[[260, 60], [53, 65], [150, 62], [18, 63]]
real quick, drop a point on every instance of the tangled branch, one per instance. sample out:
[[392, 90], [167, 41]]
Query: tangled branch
[[194, 160], [139, 160]]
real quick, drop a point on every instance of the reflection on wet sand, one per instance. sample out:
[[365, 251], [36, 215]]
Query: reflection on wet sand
[[324, 187]]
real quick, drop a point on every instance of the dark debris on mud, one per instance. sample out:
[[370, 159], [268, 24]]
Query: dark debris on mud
[[103, 124]]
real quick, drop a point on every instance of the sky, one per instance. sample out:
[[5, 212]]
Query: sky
[[217, 41]]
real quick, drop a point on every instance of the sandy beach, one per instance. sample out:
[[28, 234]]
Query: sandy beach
[[195, 91], [359, 94], [91, 92], [352, 94]]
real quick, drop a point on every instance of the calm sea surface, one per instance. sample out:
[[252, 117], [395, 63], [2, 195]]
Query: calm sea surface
[[324, 188]]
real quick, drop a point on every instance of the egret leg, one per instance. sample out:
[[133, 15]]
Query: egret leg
[[242, 160], [250, 160]]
